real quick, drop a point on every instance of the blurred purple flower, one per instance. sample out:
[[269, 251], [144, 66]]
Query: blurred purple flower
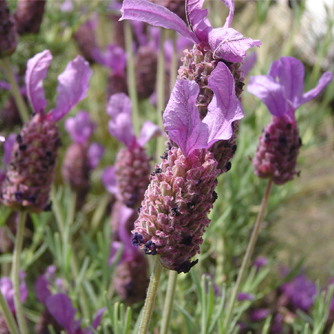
[[245, 296], [260, 262], [259, 314], [226, 43], [66, 6], [281, 90], [301, 292], [7, 290], [61, 308], [249, 63], [94, 154], [8, 146], [43, 283], [80, 127]]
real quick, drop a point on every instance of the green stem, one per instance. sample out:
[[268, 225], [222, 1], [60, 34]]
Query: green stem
[[71, 208], [61, 226], [16, 92], [168, 301], [16, 273], [131, 76], [249, 252], [161, 91], [150, 297], [8, 315]]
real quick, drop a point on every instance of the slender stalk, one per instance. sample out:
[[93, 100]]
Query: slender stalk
[[131, 76], [57, 211], [16, 273], [71, 208], [249, 252], [161, 91], [150, 297], [8, 315], [16, 92], [168, 301]]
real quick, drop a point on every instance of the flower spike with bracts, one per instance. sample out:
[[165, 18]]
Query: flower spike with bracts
[[281, 90], [173, 215], [33, 159], [211, 46], [132, 168]]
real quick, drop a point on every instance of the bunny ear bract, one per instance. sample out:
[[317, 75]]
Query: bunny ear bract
[[72, 87], [37, 69]]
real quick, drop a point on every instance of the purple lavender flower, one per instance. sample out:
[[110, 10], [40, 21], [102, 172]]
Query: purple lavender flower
[[132, 168], [8, 36], [211, 47], [301, 292], [34, 155], [28, 16], [281, 90], [260, 262], [80, 157], [259, 314], [7, 290], [173, 216], [245, 296], [61, 308]]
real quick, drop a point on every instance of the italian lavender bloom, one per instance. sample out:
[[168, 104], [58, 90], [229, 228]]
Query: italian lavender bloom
[[173, 216], [175, 6], [80, 157], [129, 178], [131, 279], [281, 90], [211, 46], [8, 36], [113, 58], [300, 293], [61, 308], [33, 159], [28, 16]]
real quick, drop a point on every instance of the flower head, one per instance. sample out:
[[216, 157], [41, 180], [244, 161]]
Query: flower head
[[281, 90], [225, 43], [132, 168]]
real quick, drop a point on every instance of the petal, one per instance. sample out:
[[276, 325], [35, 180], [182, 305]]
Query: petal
[[249, 63], [325, 80], [7, 290], [72, 87], [37, 68], [109, 180], [42, 285], [225, 107], [290, 72], [80, 127], [230, 45], [124, 215], [120, 125], [61, 308], [270, 92], [196, 17], [230, 5], [149, 131], [114, 57], [94, 154], [98, 317], [8, 146], [181, 118], [156, 15]]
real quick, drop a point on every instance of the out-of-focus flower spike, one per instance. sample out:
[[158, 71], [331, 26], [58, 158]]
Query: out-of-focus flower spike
[[120, 125], [37, 68], [8, 35], [43, 283], [72, 87], [95, 154], [249, 63], [109, 180], [80, 128], [28, 16], [148, 132]]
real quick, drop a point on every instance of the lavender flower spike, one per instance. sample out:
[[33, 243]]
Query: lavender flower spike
[[281, 90], [132, 167], [173, 216], [31, 170]]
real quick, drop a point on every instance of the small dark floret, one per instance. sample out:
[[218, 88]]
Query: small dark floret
[[187, 241], [19, 196], [137, 240], [32, 199], [185, 266], [234, 148], [214, 196], [48, 207], [150, 248], [139, 209], [288, 126], [19, 139], [164, 156], [228, 166], [131, 201], [282, 141], [175, 212], [191, 205], [22, 147]]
